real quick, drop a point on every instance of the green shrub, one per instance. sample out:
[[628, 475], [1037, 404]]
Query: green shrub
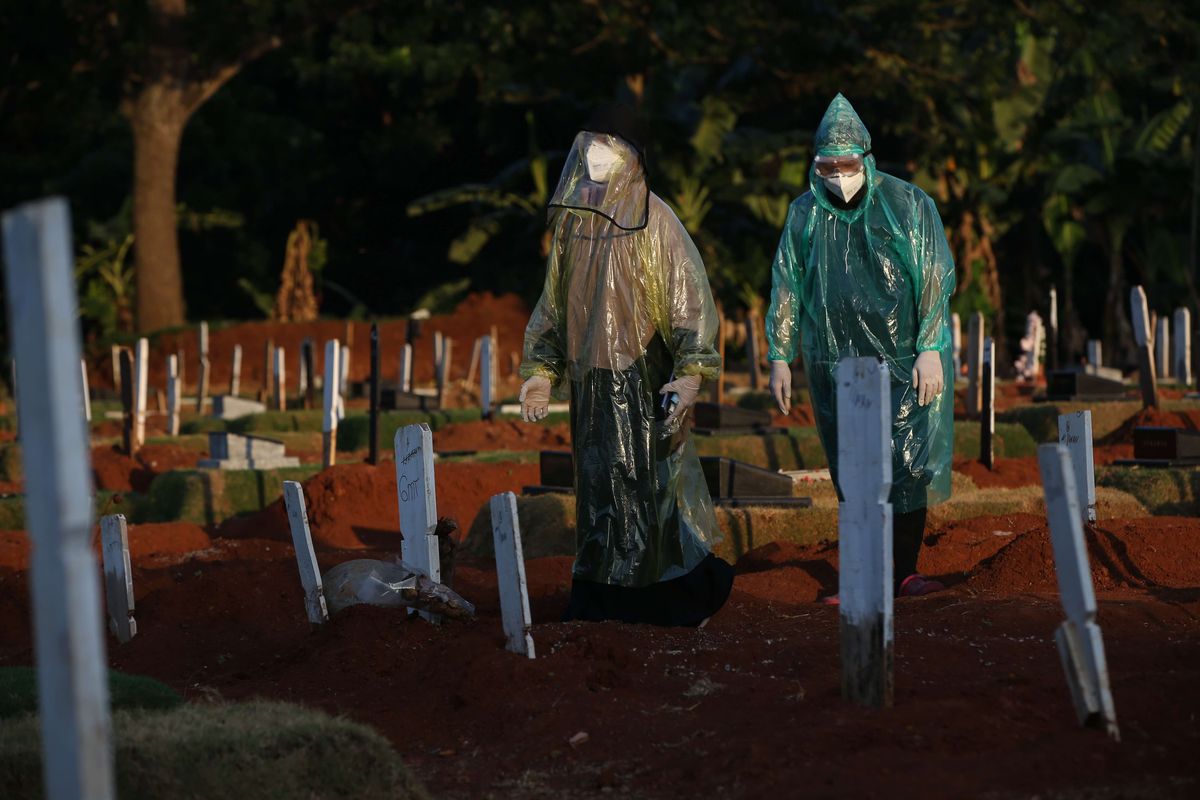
[[18, 692]]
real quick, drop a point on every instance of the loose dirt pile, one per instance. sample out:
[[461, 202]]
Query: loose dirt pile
[[1150, 417], [501, 435], [115, 471]]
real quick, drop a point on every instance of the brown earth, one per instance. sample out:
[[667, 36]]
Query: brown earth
[[115, 471], [1150, 417], [746, 707], [501, 435]]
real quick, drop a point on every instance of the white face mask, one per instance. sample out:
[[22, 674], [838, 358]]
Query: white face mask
[[845, 186], [602, 160]]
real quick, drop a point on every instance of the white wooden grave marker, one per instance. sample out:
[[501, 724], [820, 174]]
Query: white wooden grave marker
[[87, 394], [280, 379], [202, 385], [438, 343], [1075, 434], [306, 557], [1162, 348], [443, 374], [406, 364], [956, 343], [487, 376], [118, 576], [43, 324], [302, 370], [474, 365], [974, 364], [141, 365], [865, 530], [332, 399], [1182, 340], [344, 387], [510, 574], [987, 419], [1141, 333], [1052, 331], [1095, 352], [174, 395], [1080, 645], [115, 353], [418, 501], [235, 371]]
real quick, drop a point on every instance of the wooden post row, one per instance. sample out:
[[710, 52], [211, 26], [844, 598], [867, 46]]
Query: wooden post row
[[510, 575], [1080, 645], [865, 530], [417, 496], [118, 576], [306, 557], [331, 397], [43, 326]]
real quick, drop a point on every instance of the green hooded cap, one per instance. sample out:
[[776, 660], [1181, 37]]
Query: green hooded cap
[[841, 130]]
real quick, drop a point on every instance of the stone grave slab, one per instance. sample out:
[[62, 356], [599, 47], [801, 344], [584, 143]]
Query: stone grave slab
[[241, 451], [226, 406]]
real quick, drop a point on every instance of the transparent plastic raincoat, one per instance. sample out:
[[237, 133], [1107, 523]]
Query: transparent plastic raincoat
[[871, 280], [626, 305]]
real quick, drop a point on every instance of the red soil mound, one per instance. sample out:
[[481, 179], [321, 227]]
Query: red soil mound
[[801, 416], [148, 542], [1149, 417], [115, 471], [501, 435], [356, 506], [474, 317], [1006, 473]]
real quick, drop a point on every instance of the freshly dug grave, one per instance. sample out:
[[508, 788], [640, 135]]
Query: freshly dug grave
[[1188, 419], [115, 471], [748, 706], [501, 435]]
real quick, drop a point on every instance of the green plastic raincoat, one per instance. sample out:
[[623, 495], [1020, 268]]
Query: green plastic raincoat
[[626, 304], [871, 280]]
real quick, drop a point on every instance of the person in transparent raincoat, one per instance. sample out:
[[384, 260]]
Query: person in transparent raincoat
[[864, 269], [626, 325]]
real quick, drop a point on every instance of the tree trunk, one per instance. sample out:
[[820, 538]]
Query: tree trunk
[[157, 116], [1118, 332]]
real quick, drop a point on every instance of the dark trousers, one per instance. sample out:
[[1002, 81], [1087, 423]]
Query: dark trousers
[[907, 532]]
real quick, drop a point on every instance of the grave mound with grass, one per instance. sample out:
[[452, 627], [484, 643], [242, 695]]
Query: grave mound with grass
[[220, 751], [18, 692]]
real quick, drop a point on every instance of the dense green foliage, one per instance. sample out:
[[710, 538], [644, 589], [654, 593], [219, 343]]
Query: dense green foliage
[[1059, 139]]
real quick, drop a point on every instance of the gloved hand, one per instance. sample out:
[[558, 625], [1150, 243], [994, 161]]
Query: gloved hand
[[535, 398], [781, 386], [927, 376], [687, 388]]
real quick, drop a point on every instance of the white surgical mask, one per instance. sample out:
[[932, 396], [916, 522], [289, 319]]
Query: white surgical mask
[[601, 161], [845, 186]]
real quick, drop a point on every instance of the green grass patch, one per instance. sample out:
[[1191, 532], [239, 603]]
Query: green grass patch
[[18, 692], [354, 432], [12, 509], [496, 456], [1010, 440], [548, 521], [246, 751], [1163, 491], [10, 463], [210, 496]]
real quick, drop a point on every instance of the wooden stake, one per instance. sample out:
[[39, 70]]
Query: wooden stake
[[487, 377], [141, 365], [306, 558], [406, 363], [443, 375], [1182, 350], [118, 576], [87, 394], [1095, 352], [43, 326], [127, 424], [264, 393], [202, 385], [987, 419], [956, 345], [310, 384], [174, 395], [280, 380], [235, 371], [1075, 434], [474, 361], [510, 575], [1080, 645], [1141, 333], [1052, 331], [974, 364], [373, 421], [1162, 348], [865, 530], [331, 397], [418, 501]]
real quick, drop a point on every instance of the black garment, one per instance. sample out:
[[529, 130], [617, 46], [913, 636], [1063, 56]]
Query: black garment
[[907, 532], [685, 601]]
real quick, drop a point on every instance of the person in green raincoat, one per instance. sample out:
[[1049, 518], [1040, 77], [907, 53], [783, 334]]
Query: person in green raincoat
[[864, 269], [626, 325]]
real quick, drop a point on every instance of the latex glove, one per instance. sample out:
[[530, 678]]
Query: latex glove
[[927, 376], [781, 386], [686, 389], [535, 398]]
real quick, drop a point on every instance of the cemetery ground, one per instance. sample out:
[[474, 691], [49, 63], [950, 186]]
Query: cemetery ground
[[747, 706]]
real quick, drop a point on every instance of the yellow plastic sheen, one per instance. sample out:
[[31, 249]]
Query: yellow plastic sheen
[[871, 279], [626, 304]]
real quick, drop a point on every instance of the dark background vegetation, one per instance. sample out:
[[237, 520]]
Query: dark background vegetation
[[1059, 139]]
